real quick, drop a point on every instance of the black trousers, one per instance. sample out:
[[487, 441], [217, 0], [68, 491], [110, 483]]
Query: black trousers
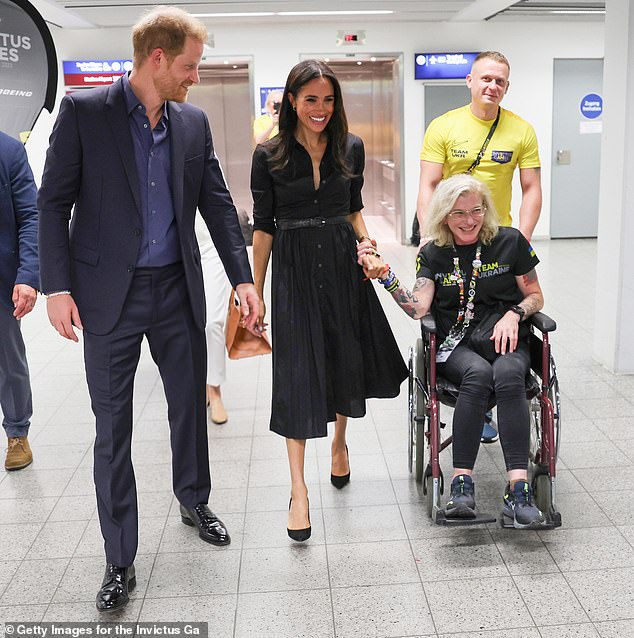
[[478, 380], [158, 308]]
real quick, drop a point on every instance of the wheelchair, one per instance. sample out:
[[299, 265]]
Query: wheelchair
[[427, 390]]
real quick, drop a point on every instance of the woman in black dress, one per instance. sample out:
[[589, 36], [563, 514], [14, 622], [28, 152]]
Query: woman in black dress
[[332, 345]]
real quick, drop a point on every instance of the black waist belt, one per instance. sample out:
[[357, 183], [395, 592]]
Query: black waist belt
[[312, 222]]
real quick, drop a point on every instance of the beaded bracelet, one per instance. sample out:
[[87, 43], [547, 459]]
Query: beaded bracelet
[[366, 238]]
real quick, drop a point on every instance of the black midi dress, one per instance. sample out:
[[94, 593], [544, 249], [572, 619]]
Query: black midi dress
[[332, 345]]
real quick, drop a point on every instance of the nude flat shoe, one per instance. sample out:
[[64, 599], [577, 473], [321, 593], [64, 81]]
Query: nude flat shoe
[[217, 412]]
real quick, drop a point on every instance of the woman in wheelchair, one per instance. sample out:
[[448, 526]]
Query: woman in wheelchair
[[479, 281]]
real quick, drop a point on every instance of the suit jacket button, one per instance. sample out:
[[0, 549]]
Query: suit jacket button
[[130, 268], [137, 231]]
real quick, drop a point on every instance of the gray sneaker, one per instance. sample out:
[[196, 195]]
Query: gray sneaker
[[518, 506], [461, 503]]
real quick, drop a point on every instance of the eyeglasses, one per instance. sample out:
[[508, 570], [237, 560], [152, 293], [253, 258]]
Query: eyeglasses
[[476, 213]]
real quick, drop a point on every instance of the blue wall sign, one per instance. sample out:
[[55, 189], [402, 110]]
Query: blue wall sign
[[591, 106], [442, 66]]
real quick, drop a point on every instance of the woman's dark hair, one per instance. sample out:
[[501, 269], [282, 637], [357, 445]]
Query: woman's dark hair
[[337, 128]]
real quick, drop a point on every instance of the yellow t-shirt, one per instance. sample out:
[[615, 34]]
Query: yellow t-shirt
[[455, 138], [260, 124]]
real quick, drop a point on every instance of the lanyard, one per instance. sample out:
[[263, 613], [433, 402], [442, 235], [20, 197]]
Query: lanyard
[[480, 155], [466, 305], [465, 310]]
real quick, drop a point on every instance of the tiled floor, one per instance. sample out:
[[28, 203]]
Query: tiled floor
[[375, 566]]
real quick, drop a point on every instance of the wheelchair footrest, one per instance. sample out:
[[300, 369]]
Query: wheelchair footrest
[[552, 520], [440, 518]]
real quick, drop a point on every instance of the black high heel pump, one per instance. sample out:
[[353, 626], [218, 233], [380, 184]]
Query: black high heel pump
[[299, 535], [341, 481]]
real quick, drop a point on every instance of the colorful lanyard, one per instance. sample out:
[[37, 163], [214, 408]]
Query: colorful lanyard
[[465, 310]]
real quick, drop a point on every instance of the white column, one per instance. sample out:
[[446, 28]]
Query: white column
[[613, 343]]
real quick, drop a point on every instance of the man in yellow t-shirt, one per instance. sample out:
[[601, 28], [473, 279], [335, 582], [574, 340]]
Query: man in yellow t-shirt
[[266, 126], [453, 140]]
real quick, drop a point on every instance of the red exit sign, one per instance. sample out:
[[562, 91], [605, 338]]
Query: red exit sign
[[356, 37]]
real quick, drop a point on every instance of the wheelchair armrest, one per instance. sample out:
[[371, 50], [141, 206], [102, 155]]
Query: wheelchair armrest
[[542, 322], [429, 324]]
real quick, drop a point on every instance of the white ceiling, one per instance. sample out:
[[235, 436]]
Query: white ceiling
[[123, 13]]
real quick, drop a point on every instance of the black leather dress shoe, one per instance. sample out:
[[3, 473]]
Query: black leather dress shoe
[[117, 582], [210, 528]]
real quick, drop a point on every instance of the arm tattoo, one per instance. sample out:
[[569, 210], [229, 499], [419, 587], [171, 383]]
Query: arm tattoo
[[530, 304], [408, 300], [405, 299]]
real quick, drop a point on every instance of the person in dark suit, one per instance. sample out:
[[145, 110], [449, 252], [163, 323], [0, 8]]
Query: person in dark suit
[[136, 161], [19, 282]]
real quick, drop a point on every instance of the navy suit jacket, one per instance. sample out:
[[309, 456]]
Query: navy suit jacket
[[90, 164], [18, 221]]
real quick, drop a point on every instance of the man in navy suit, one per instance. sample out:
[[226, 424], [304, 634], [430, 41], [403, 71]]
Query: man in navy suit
[[19, 282], [136, 162]]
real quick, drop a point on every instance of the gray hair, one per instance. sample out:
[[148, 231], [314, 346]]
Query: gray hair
[[443, 201]]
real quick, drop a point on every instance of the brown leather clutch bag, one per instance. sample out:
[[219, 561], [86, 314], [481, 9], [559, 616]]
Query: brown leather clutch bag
[[240, 342]]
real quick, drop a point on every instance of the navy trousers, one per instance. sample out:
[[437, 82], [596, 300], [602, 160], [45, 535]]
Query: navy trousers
[[15, 387], [158, 308]]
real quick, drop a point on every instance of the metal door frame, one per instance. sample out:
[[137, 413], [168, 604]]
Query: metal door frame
[[343, 56]]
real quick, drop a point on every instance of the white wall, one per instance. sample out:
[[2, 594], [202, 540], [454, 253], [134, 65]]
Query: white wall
[[530, 47], [614, 300]]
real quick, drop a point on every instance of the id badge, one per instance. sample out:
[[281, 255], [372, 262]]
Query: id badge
[[447, 347]]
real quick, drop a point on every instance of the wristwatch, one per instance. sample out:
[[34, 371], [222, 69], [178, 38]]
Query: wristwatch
[[518, 310]]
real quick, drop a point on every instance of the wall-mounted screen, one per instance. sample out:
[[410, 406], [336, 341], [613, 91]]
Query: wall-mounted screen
[[442, 66]]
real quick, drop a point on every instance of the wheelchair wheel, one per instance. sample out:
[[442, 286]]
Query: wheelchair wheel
[[536, 463], [417, 412], [538, 467], [411, 421], [542, 493]]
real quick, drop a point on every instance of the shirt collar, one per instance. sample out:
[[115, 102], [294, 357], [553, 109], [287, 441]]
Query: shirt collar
[[132, 102]]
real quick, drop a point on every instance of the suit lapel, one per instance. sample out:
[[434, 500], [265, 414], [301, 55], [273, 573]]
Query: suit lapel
[[177, 145], [120, 125]]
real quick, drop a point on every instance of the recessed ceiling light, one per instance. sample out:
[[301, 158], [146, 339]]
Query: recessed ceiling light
[[577, 11], [249, 14], [265, 14], [335, 13]]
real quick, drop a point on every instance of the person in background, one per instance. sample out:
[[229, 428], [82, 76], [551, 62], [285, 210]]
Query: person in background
[[472, 270], [266, 125], [332, 344], [489, 142], [131, 163], [217, 288], [19, 283]]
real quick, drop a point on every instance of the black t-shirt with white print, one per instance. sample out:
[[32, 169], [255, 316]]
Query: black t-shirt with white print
[[509, 255]]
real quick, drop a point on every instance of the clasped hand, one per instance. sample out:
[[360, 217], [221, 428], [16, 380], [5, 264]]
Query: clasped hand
[[369, 260]]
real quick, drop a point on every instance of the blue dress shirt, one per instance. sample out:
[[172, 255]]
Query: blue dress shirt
[[160, 243]]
